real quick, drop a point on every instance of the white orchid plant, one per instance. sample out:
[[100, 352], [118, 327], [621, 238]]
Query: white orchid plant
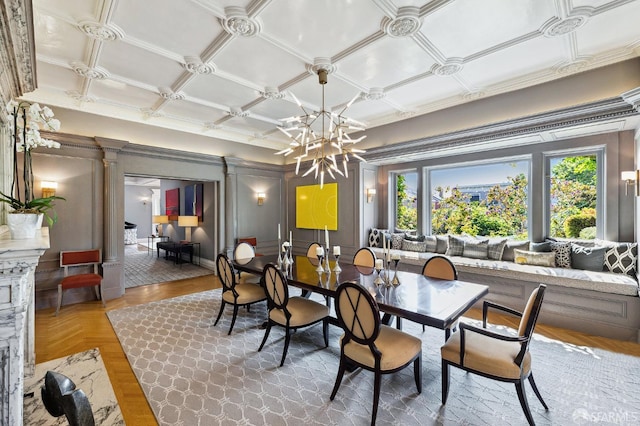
[[25, 122]]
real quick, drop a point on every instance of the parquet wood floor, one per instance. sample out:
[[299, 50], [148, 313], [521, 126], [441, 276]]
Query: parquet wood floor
[[84, 326]]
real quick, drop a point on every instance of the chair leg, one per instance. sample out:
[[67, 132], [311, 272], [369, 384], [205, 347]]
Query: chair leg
[[398, 323], [523, 402], [341, 369], [424, 328], [417, 372], [98, 290], [445, 382], [233, 319], [325, 332], [266, 334], [287, 339], [535, 390], [59, 299], [376, 396], [219, 313]]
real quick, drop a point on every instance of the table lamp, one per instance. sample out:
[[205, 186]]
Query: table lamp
[[160, 219], [187, 222]]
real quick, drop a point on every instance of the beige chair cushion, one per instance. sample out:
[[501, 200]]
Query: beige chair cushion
[[486, 354], [397, 348], [247, 293], [303, 311]]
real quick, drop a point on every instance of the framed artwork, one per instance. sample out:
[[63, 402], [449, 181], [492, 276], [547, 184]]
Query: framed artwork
[[193, 200], [317, 208], [172, 203]]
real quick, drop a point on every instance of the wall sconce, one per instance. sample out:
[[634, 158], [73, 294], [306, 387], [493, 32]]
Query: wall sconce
[[261, 197], [371, 192], [48, 188], [187, 222], [160, 219], [631, 178]]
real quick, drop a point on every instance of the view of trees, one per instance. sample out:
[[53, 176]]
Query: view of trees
[[407, 210], [503, 212]]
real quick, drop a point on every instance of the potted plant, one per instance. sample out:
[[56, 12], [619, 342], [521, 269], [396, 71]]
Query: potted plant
[[25, 121]]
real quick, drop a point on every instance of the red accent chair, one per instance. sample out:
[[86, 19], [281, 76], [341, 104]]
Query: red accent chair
[[76, 258]]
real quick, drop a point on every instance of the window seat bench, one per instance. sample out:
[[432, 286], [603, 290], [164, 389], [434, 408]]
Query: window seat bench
[[600, 303]]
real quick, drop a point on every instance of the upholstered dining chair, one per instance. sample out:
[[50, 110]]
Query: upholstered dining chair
[[72, 260], [371, 345], [440, 267], [365, 257], [243, 253], [235, 293], [291, 313], [494, 355]]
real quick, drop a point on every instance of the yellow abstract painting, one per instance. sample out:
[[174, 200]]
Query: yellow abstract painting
[[317, 208]]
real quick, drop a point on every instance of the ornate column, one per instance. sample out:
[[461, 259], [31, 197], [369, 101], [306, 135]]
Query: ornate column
[[230, 204], [18, 261]]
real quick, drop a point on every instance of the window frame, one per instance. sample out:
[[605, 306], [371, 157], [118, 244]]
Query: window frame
[[394, 198], [600, 153]]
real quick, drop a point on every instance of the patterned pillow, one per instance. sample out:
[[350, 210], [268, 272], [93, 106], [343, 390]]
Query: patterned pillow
[[432, 243], [375, 237], [396, 240], [496, 248], [442, 243], [420, 246], [543, 247], [455, 246], [511, 245], [563, 253], [622, 259], [414, 237], [525, 257], [476, 249]]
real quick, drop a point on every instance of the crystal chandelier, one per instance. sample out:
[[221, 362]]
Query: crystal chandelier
[[325, 144]]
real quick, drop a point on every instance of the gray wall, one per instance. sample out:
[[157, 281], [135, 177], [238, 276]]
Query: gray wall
[[137, 210]]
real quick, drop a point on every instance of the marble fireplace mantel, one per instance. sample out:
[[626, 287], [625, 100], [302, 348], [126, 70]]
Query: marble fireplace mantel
[[18, 261]]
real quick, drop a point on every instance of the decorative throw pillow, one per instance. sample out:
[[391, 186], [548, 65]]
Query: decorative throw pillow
[[432, 243], [396, 240], [511, 245], [543, 247], [476, 249], [411, 237], [563, 253], [455, 246], [375, 237], [587, 258], [420, 246], [442, 243], [525, 257], [622, 259], [495, 248]]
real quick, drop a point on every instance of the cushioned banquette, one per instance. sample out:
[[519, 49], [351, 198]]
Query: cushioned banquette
[[594, 302]]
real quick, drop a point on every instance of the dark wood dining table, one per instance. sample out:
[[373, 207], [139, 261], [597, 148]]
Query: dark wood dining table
[[429, 301]]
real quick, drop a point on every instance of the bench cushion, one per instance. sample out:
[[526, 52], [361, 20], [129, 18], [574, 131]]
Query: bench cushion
[[80, 280]]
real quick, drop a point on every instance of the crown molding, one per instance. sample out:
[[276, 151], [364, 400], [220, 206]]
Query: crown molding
[[17, 51]]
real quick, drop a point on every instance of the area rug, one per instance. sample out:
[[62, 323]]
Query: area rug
[[193, 373], [142, 266], [87, 371]]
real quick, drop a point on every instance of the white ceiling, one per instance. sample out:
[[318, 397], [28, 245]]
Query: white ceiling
[[227, 69]]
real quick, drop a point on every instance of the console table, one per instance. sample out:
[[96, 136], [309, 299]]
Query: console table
[[18, 261], [178, 249]]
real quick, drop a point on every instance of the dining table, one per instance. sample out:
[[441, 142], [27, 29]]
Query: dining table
[[429, 301]]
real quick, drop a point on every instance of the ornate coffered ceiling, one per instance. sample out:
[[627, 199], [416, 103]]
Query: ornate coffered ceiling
[[226, 69]]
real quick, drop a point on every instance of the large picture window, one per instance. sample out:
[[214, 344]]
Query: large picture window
[[489, 199], [406, 213], [574, 180]]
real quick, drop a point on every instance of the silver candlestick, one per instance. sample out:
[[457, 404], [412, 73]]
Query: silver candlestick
[[320, 269], [327, 266], [337, 269], [396, 281]]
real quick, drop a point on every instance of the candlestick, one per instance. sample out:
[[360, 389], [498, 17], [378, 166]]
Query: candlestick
[[279, 236], [337, 269], [326, 236]]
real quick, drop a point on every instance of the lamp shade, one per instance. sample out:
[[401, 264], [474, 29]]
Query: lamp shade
[[628, 175], [187, 220], [160, 219]]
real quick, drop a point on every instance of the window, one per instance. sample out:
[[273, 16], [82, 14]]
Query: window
[[406, 201], [489, 199], [573, 195]]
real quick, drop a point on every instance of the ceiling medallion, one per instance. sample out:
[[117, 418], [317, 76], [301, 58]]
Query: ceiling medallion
[[448, 68], [194, 65], [172, 96], [272, 93], [238, 112], [332, 138], [90, 73], [405, 24], [375, 94], [564, 26], [100, 31], [237, 22]]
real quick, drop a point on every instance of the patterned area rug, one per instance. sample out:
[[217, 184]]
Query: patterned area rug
[[142, 267], [193, 373], [88, 372]]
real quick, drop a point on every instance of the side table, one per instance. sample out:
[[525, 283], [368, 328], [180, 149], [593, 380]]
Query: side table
[[151, 243]]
